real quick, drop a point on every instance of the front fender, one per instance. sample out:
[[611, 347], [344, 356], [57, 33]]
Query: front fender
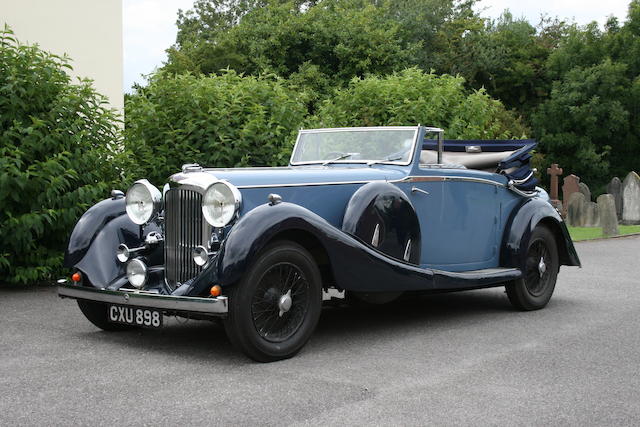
[[95, 238], [521, 224], [354, 265]]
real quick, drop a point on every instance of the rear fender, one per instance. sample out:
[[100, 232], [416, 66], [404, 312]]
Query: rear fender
[[531, 213]]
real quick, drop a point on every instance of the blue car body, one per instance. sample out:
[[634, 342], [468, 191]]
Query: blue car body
[[386, 227]]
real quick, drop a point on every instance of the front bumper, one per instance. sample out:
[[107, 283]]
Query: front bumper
[[135, 298]]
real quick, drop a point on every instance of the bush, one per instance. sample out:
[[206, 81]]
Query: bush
[[413, 96], [219, 121], [57, 145]]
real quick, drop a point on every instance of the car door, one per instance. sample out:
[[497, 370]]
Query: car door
[[459, 218]]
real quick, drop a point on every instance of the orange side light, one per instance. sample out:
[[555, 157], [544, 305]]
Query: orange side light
[[215, 290], [76, 277]]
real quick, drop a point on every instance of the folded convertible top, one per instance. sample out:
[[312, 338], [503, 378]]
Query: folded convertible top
[[485, 145]]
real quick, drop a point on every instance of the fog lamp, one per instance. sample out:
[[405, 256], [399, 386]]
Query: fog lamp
[[200, 255], [137, 273]]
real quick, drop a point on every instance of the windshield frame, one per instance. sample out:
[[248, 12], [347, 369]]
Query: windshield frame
[[416, 130]]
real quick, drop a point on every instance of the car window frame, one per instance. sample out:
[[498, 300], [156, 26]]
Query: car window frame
[[416, 133]]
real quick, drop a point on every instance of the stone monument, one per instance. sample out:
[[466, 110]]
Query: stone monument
[[614, 187], [576, 209], [608, 215], [584, 189], [569, 186], [554, 172], [591, 215], [631, 199]]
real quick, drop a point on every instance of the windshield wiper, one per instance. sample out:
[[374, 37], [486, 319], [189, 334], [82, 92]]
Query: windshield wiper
[[340, 157], [386, 159]]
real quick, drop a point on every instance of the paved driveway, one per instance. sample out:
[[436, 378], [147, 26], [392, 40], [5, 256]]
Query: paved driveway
[[464, 358]]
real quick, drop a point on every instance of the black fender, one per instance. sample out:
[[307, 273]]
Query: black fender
[[354, 265], [381, 215], [96, 236], [521, 224]]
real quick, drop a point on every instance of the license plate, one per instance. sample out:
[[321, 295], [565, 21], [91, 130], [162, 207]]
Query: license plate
[[135, 316]]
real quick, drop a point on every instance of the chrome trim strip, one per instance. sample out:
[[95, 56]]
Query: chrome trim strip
[[413, 178], [311, 184], [133, 298], [357, 129], [522, 193], [451, 178]]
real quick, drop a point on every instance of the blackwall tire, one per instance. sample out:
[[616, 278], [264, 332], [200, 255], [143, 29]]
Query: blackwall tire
[[257, 322], [97, 313], [534, 290]]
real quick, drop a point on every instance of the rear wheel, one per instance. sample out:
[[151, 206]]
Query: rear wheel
[[274, 309], [533, 291], [97, 314]]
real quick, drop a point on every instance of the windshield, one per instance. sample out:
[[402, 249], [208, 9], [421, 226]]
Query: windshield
[[355, 145]]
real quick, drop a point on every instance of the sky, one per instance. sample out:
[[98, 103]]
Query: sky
[[150, 25]]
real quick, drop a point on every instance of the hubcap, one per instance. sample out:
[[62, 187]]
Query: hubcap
[[542, 267], [284, 304]]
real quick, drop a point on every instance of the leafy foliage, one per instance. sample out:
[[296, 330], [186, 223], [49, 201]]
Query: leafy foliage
[[340, 39], [58, 147], [219, 121], [413, 96], [585, 117]]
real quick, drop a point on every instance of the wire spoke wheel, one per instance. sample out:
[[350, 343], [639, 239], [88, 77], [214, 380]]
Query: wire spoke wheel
[[537, 275], [276, 306], [539, 272], [280, 302]]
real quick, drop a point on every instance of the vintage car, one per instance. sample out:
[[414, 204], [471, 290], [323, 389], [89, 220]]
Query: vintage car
[[370, 213]]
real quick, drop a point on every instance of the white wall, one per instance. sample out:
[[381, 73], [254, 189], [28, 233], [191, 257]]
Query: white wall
[[89, 31]]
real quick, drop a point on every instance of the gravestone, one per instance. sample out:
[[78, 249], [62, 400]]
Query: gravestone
[[614, 187], [569, 186], [631, 199], [608, 215], [591, 217], [584, 189], [554, 172], [576, 210]]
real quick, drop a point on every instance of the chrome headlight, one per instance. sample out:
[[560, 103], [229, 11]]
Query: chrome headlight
[[221, 203], [143, 201]]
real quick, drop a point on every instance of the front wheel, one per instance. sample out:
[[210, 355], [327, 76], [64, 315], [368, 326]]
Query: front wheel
[[533, 291], [274, 309]]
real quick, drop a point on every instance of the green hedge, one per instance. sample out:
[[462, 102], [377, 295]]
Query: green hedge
[[412, 97], [220, 121], [58, 156]]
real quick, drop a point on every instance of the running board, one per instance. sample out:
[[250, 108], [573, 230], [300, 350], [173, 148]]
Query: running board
[[474, 278]]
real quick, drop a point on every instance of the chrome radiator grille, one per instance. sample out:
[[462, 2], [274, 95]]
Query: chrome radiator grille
[[185, 229]]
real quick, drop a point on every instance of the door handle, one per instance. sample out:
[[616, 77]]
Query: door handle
[[418, 190]]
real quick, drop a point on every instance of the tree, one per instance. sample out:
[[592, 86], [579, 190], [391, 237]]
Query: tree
[[340, 38], [585, 119]]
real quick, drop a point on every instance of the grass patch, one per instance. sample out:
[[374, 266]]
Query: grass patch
[[587, 233]]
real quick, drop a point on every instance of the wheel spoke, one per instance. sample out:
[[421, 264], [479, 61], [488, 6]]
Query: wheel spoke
[[274, 319]]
